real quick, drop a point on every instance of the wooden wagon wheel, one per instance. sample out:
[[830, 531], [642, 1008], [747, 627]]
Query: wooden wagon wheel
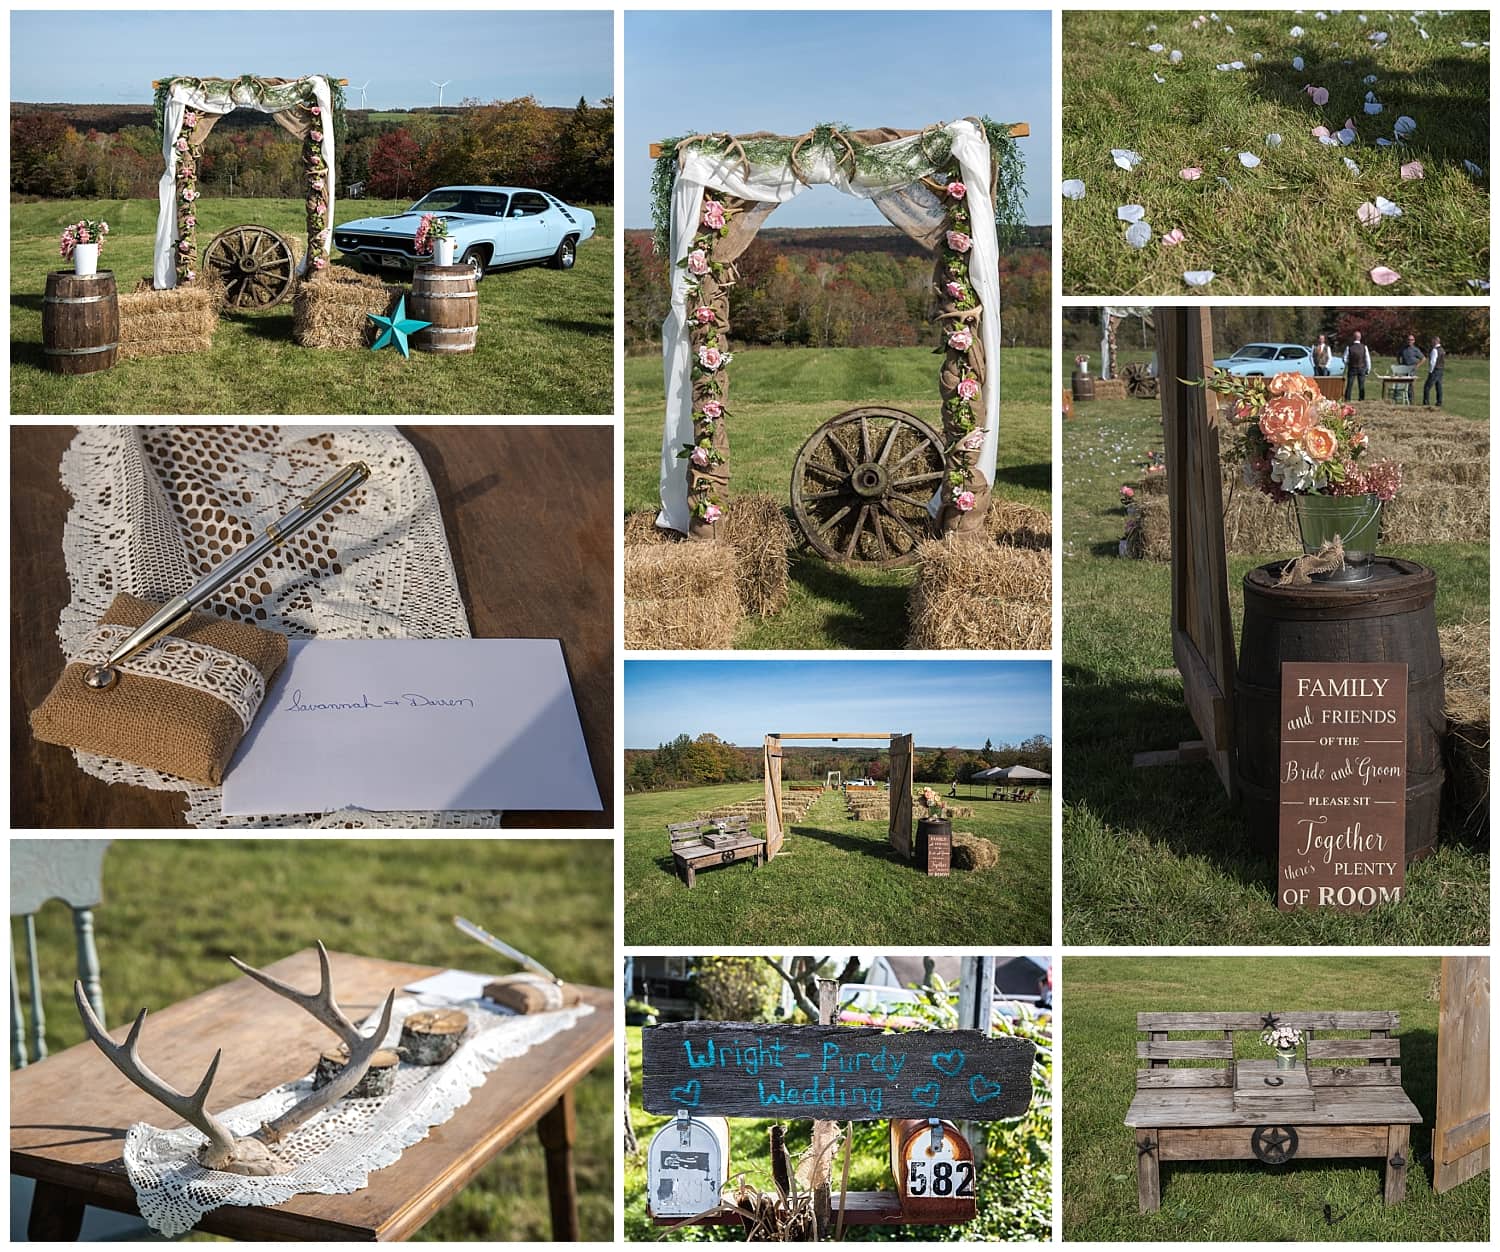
[[861, 484], [1140, 382], [256, 265]]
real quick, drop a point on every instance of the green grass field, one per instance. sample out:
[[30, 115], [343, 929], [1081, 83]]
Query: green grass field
[[835, 882], [174, 910], [546, 338], [1290, 226], [1159, 855], [1245, 1201], [780, 397]]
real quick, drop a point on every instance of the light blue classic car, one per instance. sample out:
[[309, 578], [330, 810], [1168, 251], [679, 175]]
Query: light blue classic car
[[493, 228], [1257, 360]]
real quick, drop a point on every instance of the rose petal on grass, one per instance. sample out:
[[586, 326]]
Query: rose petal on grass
[[1369, 215], [1479, 284], [1353, 168], [1198, 278], [1378, 36], [1372, 107], [1158, 78], [1191, 174], [1273, 140], [1156, 47], [1138, 234], [1249, 160], [1176, 56], [1346, 135], [1413, 169], [1125, 158], [1387, 208], [1296, 32], [1173, 237], [1319, 94], [1130, 213], [1382, 142], [1476, 170], [1073, 189], [1384, 275], [1404, 126], [1298, 64]]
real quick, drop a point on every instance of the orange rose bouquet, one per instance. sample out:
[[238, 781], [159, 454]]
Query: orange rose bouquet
[[1289, 439]]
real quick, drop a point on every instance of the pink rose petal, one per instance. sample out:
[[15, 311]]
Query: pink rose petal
[[1173, 237], [1321, 132], [1369, 214], [1412, 169], [1191, 174], [1319, 94], [1384, 275]]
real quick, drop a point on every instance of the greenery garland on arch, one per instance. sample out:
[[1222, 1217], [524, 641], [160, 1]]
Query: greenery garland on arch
[[933, 152], [261, 90]]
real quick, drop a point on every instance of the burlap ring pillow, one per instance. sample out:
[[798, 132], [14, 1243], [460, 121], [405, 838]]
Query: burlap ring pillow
[[181, 706]]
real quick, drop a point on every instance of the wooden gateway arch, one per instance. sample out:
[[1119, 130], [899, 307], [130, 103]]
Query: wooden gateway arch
[[899, 831]]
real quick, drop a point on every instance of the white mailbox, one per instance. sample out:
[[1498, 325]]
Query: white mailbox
[[686, 1166]]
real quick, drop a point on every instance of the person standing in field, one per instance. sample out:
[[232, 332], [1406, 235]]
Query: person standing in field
[[1436, 358], [1411, 354], [1321, 355], [1356, 365]]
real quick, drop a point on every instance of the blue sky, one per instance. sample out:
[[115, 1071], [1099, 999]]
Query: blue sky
[[788, 71], [942, 703], [556, 57]]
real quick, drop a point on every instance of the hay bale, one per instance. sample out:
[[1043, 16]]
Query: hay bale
[[171, 321], [1427, 512], [680, 595], [760, 535], [330, 310], [973, 595], [972, 852], [1110, 389], [1151, 537], [1466, 746], [1014, 525]]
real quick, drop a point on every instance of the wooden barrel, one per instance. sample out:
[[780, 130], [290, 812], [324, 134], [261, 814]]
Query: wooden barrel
[[1388, 617], [80, 322], [448, 297], [1083, 387]]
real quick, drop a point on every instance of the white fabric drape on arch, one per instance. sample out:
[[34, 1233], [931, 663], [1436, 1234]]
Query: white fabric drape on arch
[[908, 205], [184, 97]]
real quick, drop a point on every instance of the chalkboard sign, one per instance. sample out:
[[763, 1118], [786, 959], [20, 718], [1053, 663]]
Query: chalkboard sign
[[1342, 805], [833, 1073]]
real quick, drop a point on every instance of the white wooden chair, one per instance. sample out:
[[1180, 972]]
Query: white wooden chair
[[70, 870]]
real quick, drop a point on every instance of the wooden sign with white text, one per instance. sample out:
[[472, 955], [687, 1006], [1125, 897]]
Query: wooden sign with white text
[[1342, 809]]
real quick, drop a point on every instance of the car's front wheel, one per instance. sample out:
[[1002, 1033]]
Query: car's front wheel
[[475, 259], [566, 254]]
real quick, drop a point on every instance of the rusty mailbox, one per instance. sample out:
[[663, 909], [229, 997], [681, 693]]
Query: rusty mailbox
[[934, 1169]]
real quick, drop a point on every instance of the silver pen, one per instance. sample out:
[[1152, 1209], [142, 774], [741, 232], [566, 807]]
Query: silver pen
[[172, 614], [500, 946]]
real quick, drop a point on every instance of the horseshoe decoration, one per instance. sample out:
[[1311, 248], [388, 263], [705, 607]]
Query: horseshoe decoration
[[1274, 1080], [1274, 1145]]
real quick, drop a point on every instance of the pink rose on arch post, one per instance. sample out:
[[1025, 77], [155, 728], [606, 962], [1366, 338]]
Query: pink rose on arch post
[[713, 410], [1127, 493], [189, 118], [315, 135], [181, 145], [959, 241], [954, 290], [703, 315], [711, 358], [697, 262], [320, 263], [972, 441], [712, 513], [316, 110], [713, 213], [961, 340], [964, 501], [957, 190], [699, 457], [968, 388]]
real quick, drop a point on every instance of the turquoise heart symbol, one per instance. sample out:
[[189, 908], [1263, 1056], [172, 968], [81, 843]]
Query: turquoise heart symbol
[[949, 1062], [926, 1096], [983, 1089], [688, 1094]]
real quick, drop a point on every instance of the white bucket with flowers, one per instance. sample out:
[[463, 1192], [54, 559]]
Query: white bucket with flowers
[[80, 243]]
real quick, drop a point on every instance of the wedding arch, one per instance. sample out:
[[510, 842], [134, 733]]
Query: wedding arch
[[945, 186], [309, 108]]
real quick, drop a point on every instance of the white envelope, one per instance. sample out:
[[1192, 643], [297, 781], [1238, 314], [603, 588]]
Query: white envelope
[[414, 724]]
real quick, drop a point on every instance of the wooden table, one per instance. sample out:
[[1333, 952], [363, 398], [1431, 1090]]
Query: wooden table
[[533, 560], [70, 1112], [1394, 383]]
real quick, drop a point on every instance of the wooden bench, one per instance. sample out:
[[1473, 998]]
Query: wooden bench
[[707, 842], [1245, 1110]]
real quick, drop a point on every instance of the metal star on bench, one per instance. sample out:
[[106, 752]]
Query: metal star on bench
[[397, 327], [1269, 1020]]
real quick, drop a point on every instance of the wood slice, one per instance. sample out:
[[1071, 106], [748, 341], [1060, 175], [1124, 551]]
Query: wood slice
[[525, 993], [378, 1079], [433, 1035]]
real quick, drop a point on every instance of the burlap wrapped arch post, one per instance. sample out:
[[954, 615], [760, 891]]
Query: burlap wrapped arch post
[[753, 174]]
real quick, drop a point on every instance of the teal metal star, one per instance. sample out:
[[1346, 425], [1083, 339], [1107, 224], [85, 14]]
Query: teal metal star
[[397, 327]]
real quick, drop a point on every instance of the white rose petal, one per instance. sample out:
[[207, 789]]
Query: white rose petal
[[1383, 142], [1346, 135], [1476, 170], [1273, 140], [1130, 213], [1156, 47], [1158, 78], [1249, 160], [1353, 168], [1296, 32], [1404, 126], [1368, 79], [1387, 208], [1073, 189], [1373, 107], [1298, 64], [1198, 278], [1479, 284], [1138, 234], [1176, 56]]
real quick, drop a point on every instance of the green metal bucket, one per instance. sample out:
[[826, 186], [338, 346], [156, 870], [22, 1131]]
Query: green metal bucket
[[1354, 520]]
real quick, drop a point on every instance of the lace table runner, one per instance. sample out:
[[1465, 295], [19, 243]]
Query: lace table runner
[[156, 507], [337, 1150]]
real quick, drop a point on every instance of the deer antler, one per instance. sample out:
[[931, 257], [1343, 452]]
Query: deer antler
[[324, 1007], [223, 1150]]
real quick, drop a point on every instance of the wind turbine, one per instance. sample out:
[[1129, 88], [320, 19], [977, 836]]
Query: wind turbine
[[362, 94], [440, 87]]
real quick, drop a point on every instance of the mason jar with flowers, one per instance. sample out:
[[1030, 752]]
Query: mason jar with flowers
[[1284, 1040], [1294, 443]]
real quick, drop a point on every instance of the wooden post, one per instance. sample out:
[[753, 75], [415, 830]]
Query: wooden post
[[1397, 1159], [1461, 1132], [1148, 1170], [825, 1135], [976, 1011], [556, 1130]]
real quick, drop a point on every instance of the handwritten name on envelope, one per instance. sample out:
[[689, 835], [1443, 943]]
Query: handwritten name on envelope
[[415, 724]]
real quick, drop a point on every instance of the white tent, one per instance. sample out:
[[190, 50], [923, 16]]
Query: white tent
[[1011, 773]]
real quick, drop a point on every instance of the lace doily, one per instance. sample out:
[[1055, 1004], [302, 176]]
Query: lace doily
[[229, 679], [337, 1150], [157, 507]]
